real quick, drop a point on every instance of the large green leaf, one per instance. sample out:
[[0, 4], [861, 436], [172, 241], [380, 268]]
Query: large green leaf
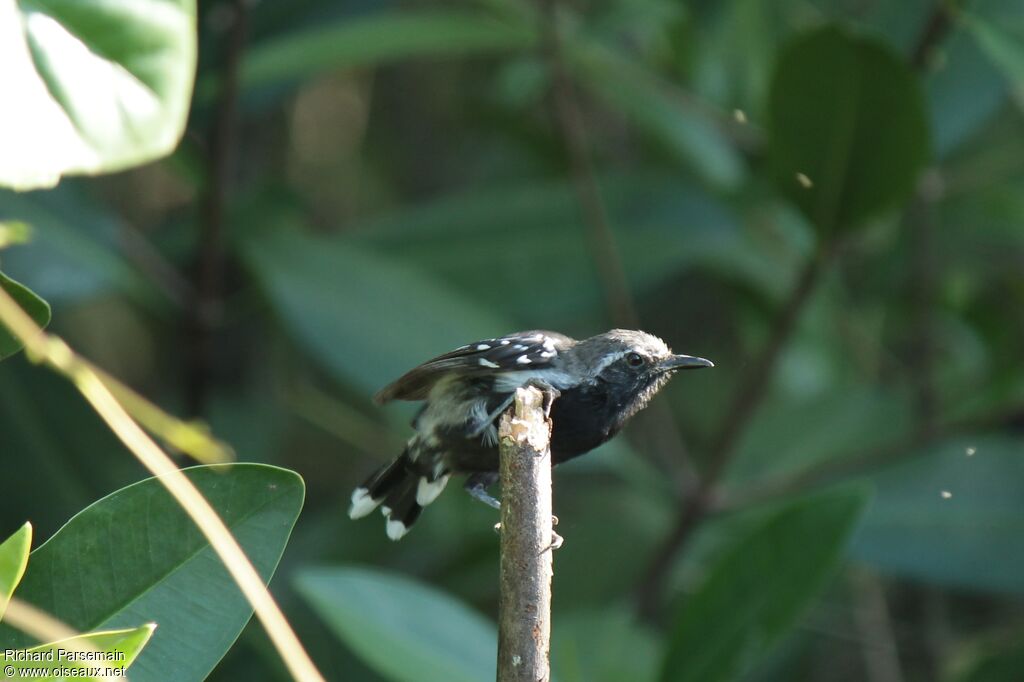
[[365, 318], [77, 247], [406, 631], [37, 308], [536, 244], [13, 559], [112, 649], [379, 38], [135, 556], [847, 115], [758, 590], [841, 422], [973, 538], [91, 86], [1002, 47]]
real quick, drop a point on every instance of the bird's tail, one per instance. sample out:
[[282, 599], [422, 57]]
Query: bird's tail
[[401, 491]]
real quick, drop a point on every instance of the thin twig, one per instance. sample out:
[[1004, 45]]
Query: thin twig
[[875, 627], [206, 309], [524, 612], [42, 347]]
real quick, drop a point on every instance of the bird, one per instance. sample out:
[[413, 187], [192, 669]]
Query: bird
[[597, 385]]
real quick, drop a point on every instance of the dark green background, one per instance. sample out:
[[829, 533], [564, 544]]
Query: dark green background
[[397, 186]]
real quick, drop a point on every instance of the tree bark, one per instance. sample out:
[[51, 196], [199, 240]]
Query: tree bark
[[524, 610]]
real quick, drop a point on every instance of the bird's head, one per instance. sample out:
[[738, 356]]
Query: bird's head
[[633, 365]]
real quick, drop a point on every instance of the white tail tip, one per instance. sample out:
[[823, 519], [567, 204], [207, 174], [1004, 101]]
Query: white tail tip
[[362, 503], [396, 529], [427, 491]]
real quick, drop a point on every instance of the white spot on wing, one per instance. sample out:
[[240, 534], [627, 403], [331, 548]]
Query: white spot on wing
[[362, 503], [519, 346], [396, 529], [505, 342], [549, 344], [483, 346], [523, 360], [427, 491], [488, 363], [548, 354]]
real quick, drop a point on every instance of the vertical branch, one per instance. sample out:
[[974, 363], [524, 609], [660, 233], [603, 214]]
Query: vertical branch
[[595, 214], [208, 294], [524, 611]]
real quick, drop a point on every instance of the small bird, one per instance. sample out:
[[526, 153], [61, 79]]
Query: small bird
[[599, 383]]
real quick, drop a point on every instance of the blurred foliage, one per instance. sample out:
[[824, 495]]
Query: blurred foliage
[[388, 182]]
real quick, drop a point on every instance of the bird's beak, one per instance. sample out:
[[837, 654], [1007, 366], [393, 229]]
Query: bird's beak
[[675, 362]]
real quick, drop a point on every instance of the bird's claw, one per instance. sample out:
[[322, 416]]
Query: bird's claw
[[549, 392]]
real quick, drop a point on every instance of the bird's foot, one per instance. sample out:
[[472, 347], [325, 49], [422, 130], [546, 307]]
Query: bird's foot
[[549, 392]]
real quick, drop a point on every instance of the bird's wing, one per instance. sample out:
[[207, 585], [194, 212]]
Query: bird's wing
[[528, 350]]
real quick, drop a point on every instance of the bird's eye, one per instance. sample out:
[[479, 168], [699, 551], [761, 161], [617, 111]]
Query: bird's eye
[[634, 360]]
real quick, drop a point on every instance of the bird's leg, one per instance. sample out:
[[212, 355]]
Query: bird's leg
[[477, 485], [505, 404], [549, 392]]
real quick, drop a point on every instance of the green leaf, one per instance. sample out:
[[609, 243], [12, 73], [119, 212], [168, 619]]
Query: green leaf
[[659, 109], [340, 302], [116, 649], [13, 559], [663, 227], [989, 659], [847, 128], [606, 645], [406, 631], [1004, 49], [37, 308], [376, 39], [837, 423], [973, 538], [76, 250], [759, 589], [135, 556], [14, 232], [91, 86]]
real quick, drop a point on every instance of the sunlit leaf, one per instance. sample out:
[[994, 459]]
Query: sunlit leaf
[[13, 559], [107, 651], [135, 556], [37, 308], [91, 86]]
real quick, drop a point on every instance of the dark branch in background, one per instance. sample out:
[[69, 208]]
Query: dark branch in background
[[524, 607], [569, 122], [935, 30], [848, 464], [206, 308], [753, 387], [919, 222], [749, 395], [570, 125]]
